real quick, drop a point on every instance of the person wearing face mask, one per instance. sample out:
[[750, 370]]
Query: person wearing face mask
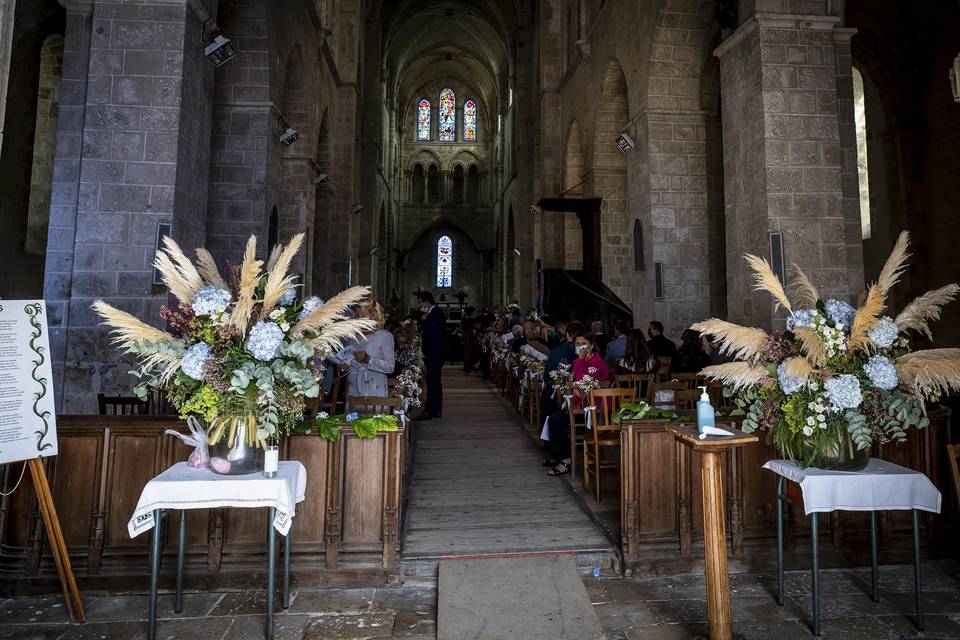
[[586, 363], [371, 359], [660, 345], [433, 340]]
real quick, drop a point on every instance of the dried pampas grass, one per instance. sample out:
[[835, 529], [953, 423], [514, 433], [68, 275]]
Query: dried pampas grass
[[738, 375], [930, 371], [331, 311], [207, 267], [805, 295], [278, 280], [917, 315], [172, 279], [332, 337], [895, 265], [249, 276], [741, 342], [127, 330], [867, 317], [798, 367], [765, 280], [812, 345]]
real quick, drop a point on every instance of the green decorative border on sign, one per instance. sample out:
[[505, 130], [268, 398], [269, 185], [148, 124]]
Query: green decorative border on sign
[[34, 311]]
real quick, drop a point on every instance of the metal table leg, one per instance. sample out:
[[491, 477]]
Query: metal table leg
[[779, 502], [286, 570], [917, 571], [874, 569], [815, 573], [154, 575], [271, 567], [181, 543]]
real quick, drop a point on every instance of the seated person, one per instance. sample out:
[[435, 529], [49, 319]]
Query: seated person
[[660, 345], [587, 362], [690, 357], [637, 358]]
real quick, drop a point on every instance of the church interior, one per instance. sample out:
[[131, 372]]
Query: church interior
[[598, 159]]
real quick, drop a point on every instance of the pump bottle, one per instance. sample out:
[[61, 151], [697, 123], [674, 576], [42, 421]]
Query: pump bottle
[[705, 412]]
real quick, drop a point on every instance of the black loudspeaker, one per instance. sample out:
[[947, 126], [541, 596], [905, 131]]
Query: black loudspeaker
[[658, 278], [776, 256], [163, 229]]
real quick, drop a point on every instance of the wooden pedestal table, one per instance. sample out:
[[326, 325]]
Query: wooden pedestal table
[[182, 487], [714, 529]]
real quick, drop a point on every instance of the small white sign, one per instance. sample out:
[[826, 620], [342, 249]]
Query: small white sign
[[28, 427]]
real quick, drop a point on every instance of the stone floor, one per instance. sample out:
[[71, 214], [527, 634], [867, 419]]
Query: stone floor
[[654, 608]]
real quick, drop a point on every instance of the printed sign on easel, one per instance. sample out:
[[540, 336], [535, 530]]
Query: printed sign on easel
[[28, 426]]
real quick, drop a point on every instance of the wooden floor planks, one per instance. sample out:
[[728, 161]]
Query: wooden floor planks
[[477, 486]]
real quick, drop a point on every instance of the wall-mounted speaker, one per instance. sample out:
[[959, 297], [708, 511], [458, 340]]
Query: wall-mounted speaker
[[163, 229], [658, 278], [776, 256]]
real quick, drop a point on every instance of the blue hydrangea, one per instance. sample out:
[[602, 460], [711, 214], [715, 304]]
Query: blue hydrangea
[[211, 300], [884, 334], [264, 340], [789, 384], [350, 417], [840, 312], [800, 318], [288, 297], [843, 392], [194, 359], [310, 305], [882, 373]]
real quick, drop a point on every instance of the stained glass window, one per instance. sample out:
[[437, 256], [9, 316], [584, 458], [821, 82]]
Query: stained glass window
[[423, 120], [444, 262], [469, 121], [448, 116]]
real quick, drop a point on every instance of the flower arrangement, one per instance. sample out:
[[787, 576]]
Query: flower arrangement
[[588, 382], [329, 427], [562, 377], [533, 365], [839, 379], [408, 389], [241, 356]]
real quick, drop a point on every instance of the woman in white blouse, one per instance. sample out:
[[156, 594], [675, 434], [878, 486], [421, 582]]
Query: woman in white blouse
[[369, 360]]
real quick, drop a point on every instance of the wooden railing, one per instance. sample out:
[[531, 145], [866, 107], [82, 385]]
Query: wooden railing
[[349, 522]]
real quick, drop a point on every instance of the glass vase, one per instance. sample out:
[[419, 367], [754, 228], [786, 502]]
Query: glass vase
[[234, 450], [838, 452]]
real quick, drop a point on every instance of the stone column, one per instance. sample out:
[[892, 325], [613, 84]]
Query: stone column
[[133, 154], [782, 156]]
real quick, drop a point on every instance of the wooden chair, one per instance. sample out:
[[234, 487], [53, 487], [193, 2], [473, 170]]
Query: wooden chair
[[663, 373], [953, 453], [333, 399], [372, 405], [603, 433], [642, 383], [685, 401], [692, 380], [122, 405]]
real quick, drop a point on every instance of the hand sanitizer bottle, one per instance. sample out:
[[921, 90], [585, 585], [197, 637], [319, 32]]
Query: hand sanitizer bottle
[[705, 413]]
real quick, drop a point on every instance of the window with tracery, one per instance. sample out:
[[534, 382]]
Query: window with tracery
[[470, 121], [447, 116], [444, 262], [423, 120]]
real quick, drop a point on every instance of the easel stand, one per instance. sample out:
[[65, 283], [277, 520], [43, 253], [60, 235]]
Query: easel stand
[[57, 544]]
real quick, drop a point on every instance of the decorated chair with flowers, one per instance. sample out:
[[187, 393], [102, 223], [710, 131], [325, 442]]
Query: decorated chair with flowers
[[603, 434]]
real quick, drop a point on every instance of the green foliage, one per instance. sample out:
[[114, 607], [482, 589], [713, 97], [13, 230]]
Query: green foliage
[[329, 427], [640, 411], [204, 403]]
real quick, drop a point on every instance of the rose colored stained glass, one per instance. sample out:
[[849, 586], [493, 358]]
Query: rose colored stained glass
[[447, 117], [423, 120], [469, 121]]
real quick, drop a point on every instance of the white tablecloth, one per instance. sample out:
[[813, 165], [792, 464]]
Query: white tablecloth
[[881, 486], [183, 487]]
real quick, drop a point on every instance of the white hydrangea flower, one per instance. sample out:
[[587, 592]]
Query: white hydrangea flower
[[210, 301], [194, 359], [264, 341]]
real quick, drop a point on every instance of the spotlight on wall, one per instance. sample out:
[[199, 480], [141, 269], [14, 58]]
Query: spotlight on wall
[[534, 209], [624, 142], [516, 251], [357, 208], [289, 136], [220, 50], [320, 179]]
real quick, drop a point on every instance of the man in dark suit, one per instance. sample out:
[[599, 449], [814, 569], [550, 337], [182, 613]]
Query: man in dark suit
[[433, 339]]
